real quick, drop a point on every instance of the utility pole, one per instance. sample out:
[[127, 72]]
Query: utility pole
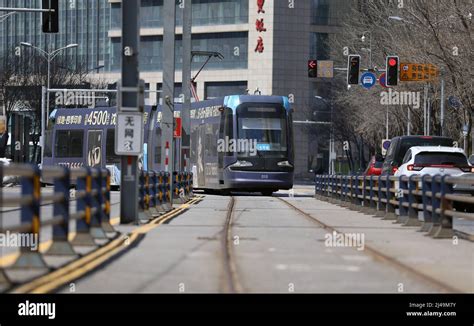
[[167, 120], [443, 103], [130, 113], [187, 62]]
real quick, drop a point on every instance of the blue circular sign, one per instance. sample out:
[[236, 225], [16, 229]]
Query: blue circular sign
[[386, 144], [368, 80]]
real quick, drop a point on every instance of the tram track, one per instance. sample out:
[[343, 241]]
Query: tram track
[[380, 256], [232, 282]]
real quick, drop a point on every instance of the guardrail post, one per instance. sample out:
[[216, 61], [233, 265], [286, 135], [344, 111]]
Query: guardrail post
[[382, 197], [30, 256], [61, 245], [153, 193], [390, 213], [97, 204], [176, 195], [413, 202], [403, 200], [83, 235], [372, 208], [365, 196], [108, 228], [445, 229], [344, 191], [161, 192], [426, 182], [353, 186], [435, 204], [143, 213], [191, 189], [168, 180], [359, 192]]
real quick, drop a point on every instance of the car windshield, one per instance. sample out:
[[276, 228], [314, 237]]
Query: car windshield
[[441, 158], [406, 144]]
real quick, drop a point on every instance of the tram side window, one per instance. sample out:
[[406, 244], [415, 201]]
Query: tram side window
[[110, 156], [158, 146], [48, 143], [69, 143]]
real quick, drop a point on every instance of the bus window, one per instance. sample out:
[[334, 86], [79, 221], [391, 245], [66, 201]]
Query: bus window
[[157, 145], [110, 156], [69, 143], [48, 143]]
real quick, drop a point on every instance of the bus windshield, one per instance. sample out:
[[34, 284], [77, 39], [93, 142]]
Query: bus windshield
[[265, 126]]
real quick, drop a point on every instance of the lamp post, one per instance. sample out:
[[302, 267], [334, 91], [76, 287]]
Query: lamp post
[[370, 46], [332, 146], [49, 56]]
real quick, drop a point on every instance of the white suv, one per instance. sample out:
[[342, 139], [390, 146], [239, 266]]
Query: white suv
[[434, 160]]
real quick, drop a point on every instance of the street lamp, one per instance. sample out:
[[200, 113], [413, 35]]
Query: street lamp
[[49, 56], [332, 146], [363, 38]]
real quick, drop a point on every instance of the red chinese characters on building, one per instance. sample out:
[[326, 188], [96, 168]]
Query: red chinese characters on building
[[260, 25], [260, 47], [260, 4]]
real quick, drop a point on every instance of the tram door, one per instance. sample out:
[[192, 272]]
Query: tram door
[[94, 148]]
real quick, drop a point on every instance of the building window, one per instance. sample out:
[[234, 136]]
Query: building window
[[220, 89], [319, 47], [327, 12]]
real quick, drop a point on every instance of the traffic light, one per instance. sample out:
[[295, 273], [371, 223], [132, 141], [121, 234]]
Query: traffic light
[[353, 70], [312, 68], [51, 19], [392, 70]]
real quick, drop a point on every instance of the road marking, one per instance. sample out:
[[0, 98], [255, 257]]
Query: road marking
[[80, 267]]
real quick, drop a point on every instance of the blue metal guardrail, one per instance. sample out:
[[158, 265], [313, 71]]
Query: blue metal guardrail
[[92, 213], [402, 199]]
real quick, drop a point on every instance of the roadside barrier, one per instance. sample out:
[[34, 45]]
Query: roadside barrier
[[92, 213], [428, 202]]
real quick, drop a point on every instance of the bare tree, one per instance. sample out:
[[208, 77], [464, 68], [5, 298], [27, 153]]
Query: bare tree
[[439, 32]]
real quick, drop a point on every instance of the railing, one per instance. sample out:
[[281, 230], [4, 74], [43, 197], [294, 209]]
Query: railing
[[403, 199], [155, 192], [92, 213]]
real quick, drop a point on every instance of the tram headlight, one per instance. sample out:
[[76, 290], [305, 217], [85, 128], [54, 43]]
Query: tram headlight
[[285, 164], [241, 164]]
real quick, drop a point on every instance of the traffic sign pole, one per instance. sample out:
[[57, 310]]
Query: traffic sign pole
[[129, 98]]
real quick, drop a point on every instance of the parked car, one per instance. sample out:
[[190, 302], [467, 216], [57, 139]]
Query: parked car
[[375, 166], [432, 160], [471, 159], [400, 145]]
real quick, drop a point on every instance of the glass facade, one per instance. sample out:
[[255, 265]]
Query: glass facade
[[88, 23], [319, 46], [151, 51], [83, 22], [327, 12], [205, 12], [219, 89]]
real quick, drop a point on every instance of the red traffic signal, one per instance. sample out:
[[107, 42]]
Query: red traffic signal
[[392, 70], [313, 68]]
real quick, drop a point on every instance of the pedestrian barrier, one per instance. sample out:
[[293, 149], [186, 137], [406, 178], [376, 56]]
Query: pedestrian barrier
[[155, 192], [428, 202], [92, 213]]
